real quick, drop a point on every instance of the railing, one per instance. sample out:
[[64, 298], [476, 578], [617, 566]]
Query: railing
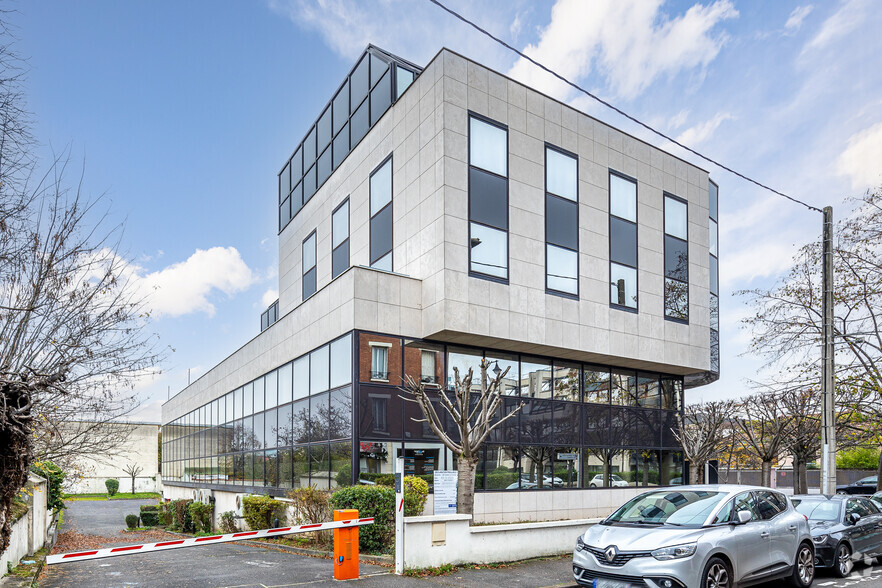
[[380, 376]]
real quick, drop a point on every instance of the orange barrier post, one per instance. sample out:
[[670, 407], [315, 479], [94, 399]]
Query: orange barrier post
[[346, 547]]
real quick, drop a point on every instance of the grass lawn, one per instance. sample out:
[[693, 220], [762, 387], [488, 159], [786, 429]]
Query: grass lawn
[[117, 496]]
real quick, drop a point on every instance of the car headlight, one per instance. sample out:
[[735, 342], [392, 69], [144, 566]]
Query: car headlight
[[819, 538], [675, 551], [580, 545]]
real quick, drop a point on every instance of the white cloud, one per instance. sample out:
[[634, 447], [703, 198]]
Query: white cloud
[[844, 21], [759, 259], [629, 42], [862, 159], [703, 131], [184, 287], [794, 21], [269, 297]]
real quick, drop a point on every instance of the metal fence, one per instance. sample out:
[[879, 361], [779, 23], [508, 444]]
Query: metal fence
[[784, 477]]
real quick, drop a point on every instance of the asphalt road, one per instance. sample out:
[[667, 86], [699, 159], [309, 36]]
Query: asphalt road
[[237, 565]]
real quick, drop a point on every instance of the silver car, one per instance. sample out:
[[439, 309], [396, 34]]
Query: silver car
[[712, 536]]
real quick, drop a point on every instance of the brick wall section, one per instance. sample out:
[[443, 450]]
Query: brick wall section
[[364, 357]]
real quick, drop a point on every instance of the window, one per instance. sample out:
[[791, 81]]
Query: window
[[309, 266], [381, 216], [427, 370], [713, 240], [378, 413], [340, 239], [676, 259], [488, 198], [380, 362], [622, 241], [561, 222]]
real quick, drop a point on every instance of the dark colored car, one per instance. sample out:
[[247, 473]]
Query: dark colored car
[[877, 498], [863, 486], [844, 529]]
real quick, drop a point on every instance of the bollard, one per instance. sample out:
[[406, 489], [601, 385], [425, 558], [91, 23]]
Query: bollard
[[346, 547]]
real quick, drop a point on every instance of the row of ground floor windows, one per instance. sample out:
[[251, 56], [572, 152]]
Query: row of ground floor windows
[[501, 467]]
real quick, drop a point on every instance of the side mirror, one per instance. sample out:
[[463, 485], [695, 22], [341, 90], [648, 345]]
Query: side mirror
[[853, 518], [742, 517]]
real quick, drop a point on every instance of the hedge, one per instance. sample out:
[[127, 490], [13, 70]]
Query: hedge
[[259, 511], [370, 501]]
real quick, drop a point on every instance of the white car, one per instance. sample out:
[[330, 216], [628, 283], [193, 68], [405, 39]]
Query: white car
[[614, 481]]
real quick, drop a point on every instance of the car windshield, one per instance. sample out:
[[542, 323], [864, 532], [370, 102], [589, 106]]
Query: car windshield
[[689, 507], [819, 510]]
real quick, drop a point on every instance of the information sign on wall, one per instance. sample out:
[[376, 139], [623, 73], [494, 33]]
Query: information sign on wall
[[445, 491]]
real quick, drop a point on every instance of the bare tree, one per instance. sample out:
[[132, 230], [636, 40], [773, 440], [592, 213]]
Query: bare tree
[[702, 433], [475, 413], [72, 338], [132, 470], [763, 428], [787, 322]]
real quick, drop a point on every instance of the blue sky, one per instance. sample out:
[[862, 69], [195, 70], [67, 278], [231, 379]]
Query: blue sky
[[183, 113]]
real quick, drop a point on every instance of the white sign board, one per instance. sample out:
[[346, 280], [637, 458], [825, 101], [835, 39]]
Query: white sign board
[[445, 491]]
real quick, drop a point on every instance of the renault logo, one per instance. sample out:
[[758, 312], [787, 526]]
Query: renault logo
[[611, 552]]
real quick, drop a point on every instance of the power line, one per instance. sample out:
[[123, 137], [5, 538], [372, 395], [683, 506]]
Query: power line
[[622, 112]]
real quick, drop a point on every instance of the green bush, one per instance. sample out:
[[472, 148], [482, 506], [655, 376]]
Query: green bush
[[201, 514], [416, 492], [180, 515], [228, 521], [859, 458], [313, 506], [112, 486], [259, 511], [149, 508], [54, 477], [150, 518], [501, 478], [344, 476], [370, 501], [132, 521], [166, 513]]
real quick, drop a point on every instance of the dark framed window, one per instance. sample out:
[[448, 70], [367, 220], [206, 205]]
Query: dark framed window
[[622, 241], [488, 198], [676, 259], [381, 216], [561, 221], [714, 302], [308, 250], [340, 239]]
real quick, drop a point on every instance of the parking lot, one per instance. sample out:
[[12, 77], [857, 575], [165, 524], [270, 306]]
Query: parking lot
[[244, 566]]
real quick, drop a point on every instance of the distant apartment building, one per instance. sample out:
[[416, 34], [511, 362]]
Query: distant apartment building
[[434, 217]]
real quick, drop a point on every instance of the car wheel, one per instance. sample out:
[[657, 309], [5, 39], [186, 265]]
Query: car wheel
[[592, 485], [804, 567], [843, 564], [716, 574]]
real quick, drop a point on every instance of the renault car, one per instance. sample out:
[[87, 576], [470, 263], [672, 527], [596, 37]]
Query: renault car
[[712, 536]]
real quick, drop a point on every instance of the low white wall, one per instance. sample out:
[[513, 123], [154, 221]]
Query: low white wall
[[550, 505], [95, 484], [29, 533], [18, 544], [449, 539]]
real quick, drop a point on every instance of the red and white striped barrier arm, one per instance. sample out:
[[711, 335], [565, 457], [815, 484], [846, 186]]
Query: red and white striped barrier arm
[[193, 542]]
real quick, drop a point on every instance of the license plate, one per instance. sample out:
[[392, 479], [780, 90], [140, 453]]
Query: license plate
[[604, 583]]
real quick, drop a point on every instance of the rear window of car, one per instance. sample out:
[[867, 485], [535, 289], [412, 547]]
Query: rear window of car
[[819, 510]]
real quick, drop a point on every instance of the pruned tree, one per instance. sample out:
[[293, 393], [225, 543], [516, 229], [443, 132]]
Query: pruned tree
[[474, 412], [702, 432], [762, 427], [72, 327], [787, 321], [132, 470]]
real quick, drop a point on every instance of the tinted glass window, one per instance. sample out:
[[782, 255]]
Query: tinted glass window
[[623, 198], [378, 67], [285, 182], [381, 187], [714, 312], [309, 285], [340, 259], [403, 79], [676, 299], [488, 200], [341, 362], [381, 234], [359, 83], [623, 285], [713, 237], [318, 370], [746, 501], [309, 148], [340, 225], [676, 259], [713, 197], [341, 107], [489, 251], [384, 263], [560, 226], [301, 377], [324, 167], [358, 126], [488, 147], [381, 97], [309, 184], [675, 217], [563, 269], [309, 252], [768, 505], [296, 166], [623, 241], [714, 276], [341, 146], [561, 174], [285, 384], [324, 129], [596, 385]]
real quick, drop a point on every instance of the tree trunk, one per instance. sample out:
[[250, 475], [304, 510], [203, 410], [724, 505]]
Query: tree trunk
[[696, 473], [879, 473], [767, 473], [133, 483], [465, 486], [798, 467]]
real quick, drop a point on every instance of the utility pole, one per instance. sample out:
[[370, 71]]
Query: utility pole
[[828, 415]]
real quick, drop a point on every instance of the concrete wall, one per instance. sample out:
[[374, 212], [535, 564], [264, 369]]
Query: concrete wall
[[138, 445], [30, 532], [437, 540], [549, 505]]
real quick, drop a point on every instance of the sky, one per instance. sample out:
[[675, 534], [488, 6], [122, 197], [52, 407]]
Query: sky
[[180, 115]]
